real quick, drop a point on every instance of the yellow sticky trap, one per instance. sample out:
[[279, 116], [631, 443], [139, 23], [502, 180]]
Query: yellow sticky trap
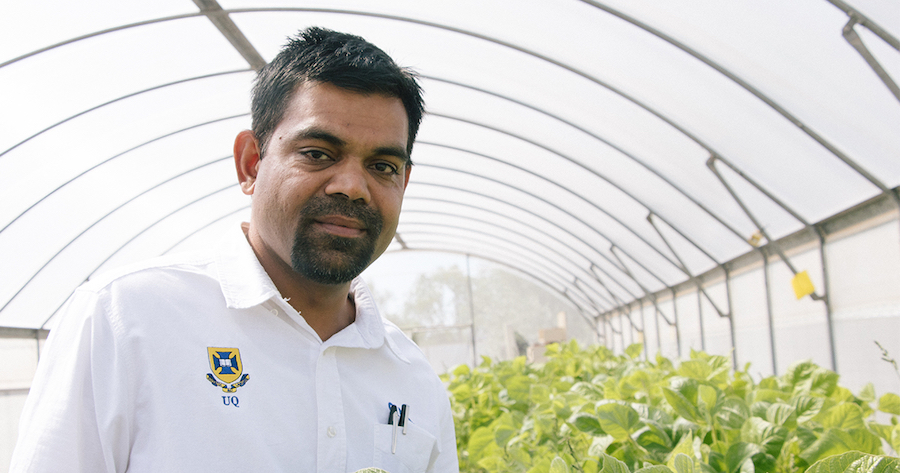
[[803, 286]]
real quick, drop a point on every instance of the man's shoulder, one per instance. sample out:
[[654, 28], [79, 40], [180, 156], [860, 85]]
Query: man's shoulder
[[174, 267], [406, 347]]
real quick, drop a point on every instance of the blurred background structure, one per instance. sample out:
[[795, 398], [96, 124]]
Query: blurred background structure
[[686, 174]]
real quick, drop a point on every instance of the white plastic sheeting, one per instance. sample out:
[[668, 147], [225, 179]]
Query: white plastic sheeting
[[608, 149]]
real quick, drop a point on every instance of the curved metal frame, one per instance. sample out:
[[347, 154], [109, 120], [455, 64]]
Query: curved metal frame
[[856, 18]]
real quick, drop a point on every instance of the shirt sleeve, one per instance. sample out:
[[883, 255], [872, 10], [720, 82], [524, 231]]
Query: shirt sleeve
[[73, 417], [447, 459]]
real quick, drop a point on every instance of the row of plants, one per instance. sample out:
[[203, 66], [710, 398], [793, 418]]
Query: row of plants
[[588, 410]]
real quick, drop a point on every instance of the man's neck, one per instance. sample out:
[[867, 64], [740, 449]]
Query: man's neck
[[327, 308]]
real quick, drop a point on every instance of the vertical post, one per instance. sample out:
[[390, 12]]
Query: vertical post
[[675, 316], [37, 343], [700, 317], [769, 313], [827, 298], [471, 310], [734, 364]]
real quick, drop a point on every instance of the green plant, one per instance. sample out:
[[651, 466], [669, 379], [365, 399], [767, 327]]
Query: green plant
[[588, 410]]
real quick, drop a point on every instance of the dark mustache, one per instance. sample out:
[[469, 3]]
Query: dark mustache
[[324, 206]]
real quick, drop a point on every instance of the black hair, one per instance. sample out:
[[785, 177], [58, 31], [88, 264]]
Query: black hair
[[344, 60]]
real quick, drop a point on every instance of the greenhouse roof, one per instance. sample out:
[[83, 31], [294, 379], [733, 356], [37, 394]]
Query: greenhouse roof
[[608, 149]]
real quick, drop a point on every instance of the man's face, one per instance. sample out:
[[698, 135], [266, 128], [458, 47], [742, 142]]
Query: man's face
[[329, 188]]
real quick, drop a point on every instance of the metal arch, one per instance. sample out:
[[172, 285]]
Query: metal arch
[[179, 209], [520, 222], [746, 86], [504, 228], [118, 99], [204, 227], [462, 249], [548, 202], [597, 137], [561, 270], [123, 204], [477, 36], [575, 217], [523, 50], [492, 224], [540, 217], [116, 156], [592, 171], [448, 241]]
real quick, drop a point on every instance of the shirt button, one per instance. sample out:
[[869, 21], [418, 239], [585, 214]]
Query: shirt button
[[274, 311], [332, 431]]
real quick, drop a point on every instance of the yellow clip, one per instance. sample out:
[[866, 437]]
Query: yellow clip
[[803, 286]]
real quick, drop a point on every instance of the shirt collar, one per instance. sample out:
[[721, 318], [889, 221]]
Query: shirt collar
[[246, 284], [244, 281]]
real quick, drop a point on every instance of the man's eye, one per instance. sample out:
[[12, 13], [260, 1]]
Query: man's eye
[[315, 155], [386, 168]]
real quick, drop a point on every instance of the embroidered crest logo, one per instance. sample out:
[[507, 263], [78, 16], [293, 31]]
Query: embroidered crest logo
[[227, 369]]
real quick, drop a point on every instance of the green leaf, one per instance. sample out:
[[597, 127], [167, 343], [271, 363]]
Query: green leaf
[[867, 393], [835, 442], [856, 462], [782, 414], [695, 369], [634, 350], [504, 428], [709, 397], [889, 403], [519, 388], [492, 463], [881, 430], [480, 440], [654, 437], [895, 438], [875, 464], [765, 434], [733, 413], [600, 444], [540, 466], [681, 405], [587, 423], [618, 420], [683, 464], [540, 393], [462, 392], [844, 416], [738, 454], [835, 463], [807, 407], [558, 465], [654, 469], [685, 447], [461, 370], [613, 465]]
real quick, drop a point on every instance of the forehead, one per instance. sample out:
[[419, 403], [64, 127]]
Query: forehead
[[340, 109]]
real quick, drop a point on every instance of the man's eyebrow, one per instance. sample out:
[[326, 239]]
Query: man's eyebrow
[[395, 151], [318, 134]]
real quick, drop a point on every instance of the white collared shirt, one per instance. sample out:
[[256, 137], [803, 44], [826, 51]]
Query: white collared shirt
[[197, 364]]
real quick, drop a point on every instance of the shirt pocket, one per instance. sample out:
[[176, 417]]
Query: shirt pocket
[[413, 453]]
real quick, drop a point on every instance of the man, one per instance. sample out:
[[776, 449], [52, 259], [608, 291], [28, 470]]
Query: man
[[268, 354]]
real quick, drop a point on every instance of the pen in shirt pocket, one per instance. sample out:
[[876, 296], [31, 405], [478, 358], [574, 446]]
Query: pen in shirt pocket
[[401, 414]]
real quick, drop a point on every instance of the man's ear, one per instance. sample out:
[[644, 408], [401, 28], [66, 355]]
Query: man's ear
[[406, 181], [246, 160]]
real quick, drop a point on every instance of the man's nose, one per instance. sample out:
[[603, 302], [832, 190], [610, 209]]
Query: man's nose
[[349, 179]]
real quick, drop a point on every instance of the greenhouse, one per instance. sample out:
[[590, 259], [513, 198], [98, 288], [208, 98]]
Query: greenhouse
[[659, 178]]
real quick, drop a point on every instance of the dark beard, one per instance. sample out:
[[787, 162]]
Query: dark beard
[[330, 259]]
